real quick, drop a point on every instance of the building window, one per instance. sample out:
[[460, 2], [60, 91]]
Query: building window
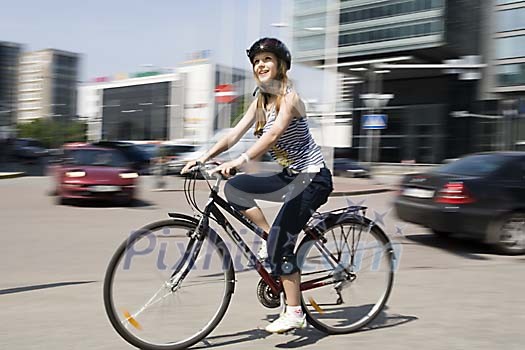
[[30, 86], [311, 43], [310, 4], [30, 77], [29, 114], [29, 95], [29, 105], [30, 68], [503, 2], [401, 8], [310, 21], [400, 32], [511, 20], [511, 74], [510, 47]]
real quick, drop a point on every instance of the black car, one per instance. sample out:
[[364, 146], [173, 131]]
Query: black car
[[481, 195], [139, 160], [27, 148]]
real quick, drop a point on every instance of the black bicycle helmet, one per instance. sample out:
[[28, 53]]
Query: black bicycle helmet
[[272, 45]]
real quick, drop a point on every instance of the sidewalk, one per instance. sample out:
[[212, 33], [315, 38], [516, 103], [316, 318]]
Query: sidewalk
[[344, 186]]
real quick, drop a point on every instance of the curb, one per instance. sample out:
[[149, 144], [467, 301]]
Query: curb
[[11, 175], [360, 192]]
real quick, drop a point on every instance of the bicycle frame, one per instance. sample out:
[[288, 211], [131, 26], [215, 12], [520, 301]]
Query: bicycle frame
[[212, 208]]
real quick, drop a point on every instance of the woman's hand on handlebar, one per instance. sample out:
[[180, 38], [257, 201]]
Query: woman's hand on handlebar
[[229, 168], [190, 165]]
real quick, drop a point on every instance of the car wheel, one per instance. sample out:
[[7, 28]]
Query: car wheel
[[441, 234], [510, 234], [59, 200]]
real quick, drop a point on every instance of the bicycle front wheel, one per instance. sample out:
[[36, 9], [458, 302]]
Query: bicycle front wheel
[[164, 289], [346, 276]]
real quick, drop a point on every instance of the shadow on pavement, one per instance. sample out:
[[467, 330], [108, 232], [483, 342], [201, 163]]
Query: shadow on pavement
[[302, 337], [464, 247], [311, 335], [233, 338], [385, 320], [40, 286], [92, 203]]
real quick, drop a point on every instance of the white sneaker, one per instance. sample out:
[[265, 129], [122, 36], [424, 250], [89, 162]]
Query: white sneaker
[[262, 253], [286, 322]]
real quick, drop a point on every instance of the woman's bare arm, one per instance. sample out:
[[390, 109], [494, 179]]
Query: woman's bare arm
[[291, 107], [229, 140]]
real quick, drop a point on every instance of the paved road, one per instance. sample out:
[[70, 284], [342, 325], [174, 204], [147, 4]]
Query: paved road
[[447, 295]]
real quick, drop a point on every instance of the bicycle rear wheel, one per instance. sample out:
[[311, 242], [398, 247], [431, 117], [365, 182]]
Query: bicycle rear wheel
[[148, 301], [347, 279]]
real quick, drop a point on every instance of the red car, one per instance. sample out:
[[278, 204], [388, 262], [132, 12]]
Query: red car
[[91, 172]]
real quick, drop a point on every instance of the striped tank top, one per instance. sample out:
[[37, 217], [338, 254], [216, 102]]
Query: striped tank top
[[296, 148]]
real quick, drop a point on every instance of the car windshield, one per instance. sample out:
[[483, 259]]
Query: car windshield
[[96, 157], [476, 165]]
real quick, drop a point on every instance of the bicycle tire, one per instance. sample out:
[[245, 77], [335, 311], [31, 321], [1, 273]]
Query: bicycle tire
[[179, 327], [351, 310]]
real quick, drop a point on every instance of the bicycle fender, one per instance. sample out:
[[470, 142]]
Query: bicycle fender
[[184, 217], [330, 219]]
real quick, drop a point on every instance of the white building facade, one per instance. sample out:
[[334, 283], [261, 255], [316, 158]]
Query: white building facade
[[163, 106]]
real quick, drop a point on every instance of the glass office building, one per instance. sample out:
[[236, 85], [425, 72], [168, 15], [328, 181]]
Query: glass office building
[[509, 40], [136, 112], [9, 56], [420, 124], [509, 69], [369, 27]]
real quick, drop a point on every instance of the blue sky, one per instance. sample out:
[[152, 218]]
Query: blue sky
[[121, 36]]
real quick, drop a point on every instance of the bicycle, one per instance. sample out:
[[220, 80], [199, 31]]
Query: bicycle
[[347, 268]]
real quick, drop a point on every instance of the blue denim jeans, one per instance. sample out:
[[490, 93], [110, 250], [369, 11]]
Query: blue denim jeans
[[302, 195]]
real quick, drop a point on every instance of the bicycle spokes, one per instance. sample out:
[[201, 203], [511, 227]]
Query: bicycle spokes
[[346, 276], [162, 290]]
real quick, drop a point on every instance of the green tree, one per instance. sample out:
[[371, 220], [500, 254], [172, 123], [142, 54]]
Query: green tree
[[53, 133]]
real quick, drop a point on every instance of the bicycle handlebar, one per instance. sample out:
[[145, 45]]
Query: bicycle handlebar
[[201, 167]]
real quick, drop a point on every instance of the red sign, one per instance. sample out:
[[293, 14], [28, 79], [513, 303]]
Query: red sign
[[225, 93], [100, 79]]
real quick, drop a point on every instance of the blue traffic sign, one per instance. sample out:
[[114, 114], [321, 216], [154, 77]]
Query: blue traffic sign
[[374, 121]]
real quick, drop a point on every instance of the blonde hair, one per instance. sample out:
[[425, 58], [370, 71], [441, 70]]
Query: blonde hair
[[264, 96]]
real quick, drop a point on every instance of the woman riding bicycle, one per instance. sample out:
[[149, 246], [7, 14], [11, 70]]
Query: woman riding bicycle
[[305, 183]]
